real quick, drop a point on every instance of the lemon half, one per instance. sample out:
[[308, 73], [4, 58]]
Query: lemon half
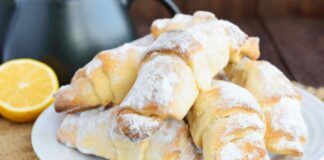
[[26, 89]]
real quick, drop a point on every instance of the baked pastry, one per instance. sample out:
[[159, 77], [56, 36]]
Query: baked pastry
[[166, 84], [96, 132], [105, 79], [204, 47], [286, 130], [153, 84], [110, 75], [241, 45], [226, 122], [165, 88], [180, 21]]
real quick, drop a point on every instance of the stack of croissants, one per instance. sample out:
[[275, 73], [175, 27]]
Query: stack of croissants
[[193, 89]]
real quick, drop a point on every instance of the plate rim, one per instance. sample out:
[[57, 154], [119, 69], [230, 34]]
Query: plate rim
[[306, 95]]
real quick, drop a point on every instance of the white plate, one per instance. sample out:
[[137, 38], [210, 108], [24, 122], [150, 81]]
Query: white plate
[[48, 148]]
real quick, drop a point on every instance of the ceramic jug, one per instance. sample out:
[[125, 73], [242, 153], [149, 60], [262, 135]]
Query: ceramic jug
[[66, 34]]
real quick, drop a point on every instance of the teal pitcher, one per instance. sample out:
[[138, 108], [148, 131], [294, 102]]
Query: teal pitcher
[[66, 34]]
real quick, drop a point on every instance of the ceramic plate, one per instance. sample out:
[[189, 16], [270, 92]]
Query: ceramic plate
[[48, 148]]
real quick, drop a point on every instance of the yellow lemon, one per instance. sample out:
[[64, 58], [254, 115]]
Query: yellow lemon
[[26, 89]]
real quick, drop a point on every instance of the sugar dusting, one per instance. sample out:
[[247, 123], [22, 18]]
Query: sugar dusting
[[92, 65], [169, 130], [286, 116], [234, 150], [265, 81], [68, 97], [139, 124], [124, 52], [291, 144], [234, 95], [178, 40], [161, 23], [154, 84], [236, 36], [242, 121], [98, 119], [273, 81], [178, 19], [202, 32], [231, 151], [181, 18]]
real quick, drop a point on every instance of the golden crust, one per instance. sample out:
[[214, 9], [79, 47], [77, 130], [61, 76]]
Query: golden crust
[[250, 49], [142, 130], [240, 44], [263, 80], [204, 47], [165, 87], [105, 79], [286, 131], [97, 132], [180, 21], [73, 97], [223, 120]]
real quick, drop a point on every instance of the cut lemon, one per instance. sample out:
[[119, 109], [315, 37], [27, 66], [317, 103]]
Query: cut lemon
[[26, 89]]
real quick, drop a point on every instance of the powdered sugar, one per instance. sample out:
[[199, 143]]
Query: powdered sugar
[[286, 116], [95, 63], [234, 150], [204, 31], [181, 19], [161, 23], [97, 133], [236, 36], [68, 97], [203, 15], [137, 121], [155, 84], [279, 101], [234, 95], [291, 144], [122, 53], [243, 121], [169, 130], [70, 120], [272, 80], [230, 152], [179, 40], [139, 125]]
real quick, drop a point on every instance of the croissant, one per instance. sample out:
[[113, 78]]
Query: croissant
[[95, 132], [241, 45], [226, 122], [286, 130], [110, 75], [177, 65], [105, 79], [204, 48]]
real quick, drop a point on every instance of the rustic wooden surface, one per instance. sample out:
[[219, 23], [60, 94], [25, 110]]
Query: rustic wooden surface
[[291, 31]]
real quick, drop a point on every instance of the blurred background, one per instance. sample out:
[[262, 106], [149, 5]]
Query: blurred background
[[71, 32], [291, 31]]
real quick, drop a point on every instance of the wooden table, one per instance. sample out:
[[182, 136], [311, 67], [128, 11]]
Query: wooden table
[[291, 32]]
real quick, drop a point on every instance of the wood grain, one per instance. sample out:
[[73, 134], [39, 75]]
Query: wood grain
[[144, 12], [284, 8], [301, 44], [268, 51], [229, 9]]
